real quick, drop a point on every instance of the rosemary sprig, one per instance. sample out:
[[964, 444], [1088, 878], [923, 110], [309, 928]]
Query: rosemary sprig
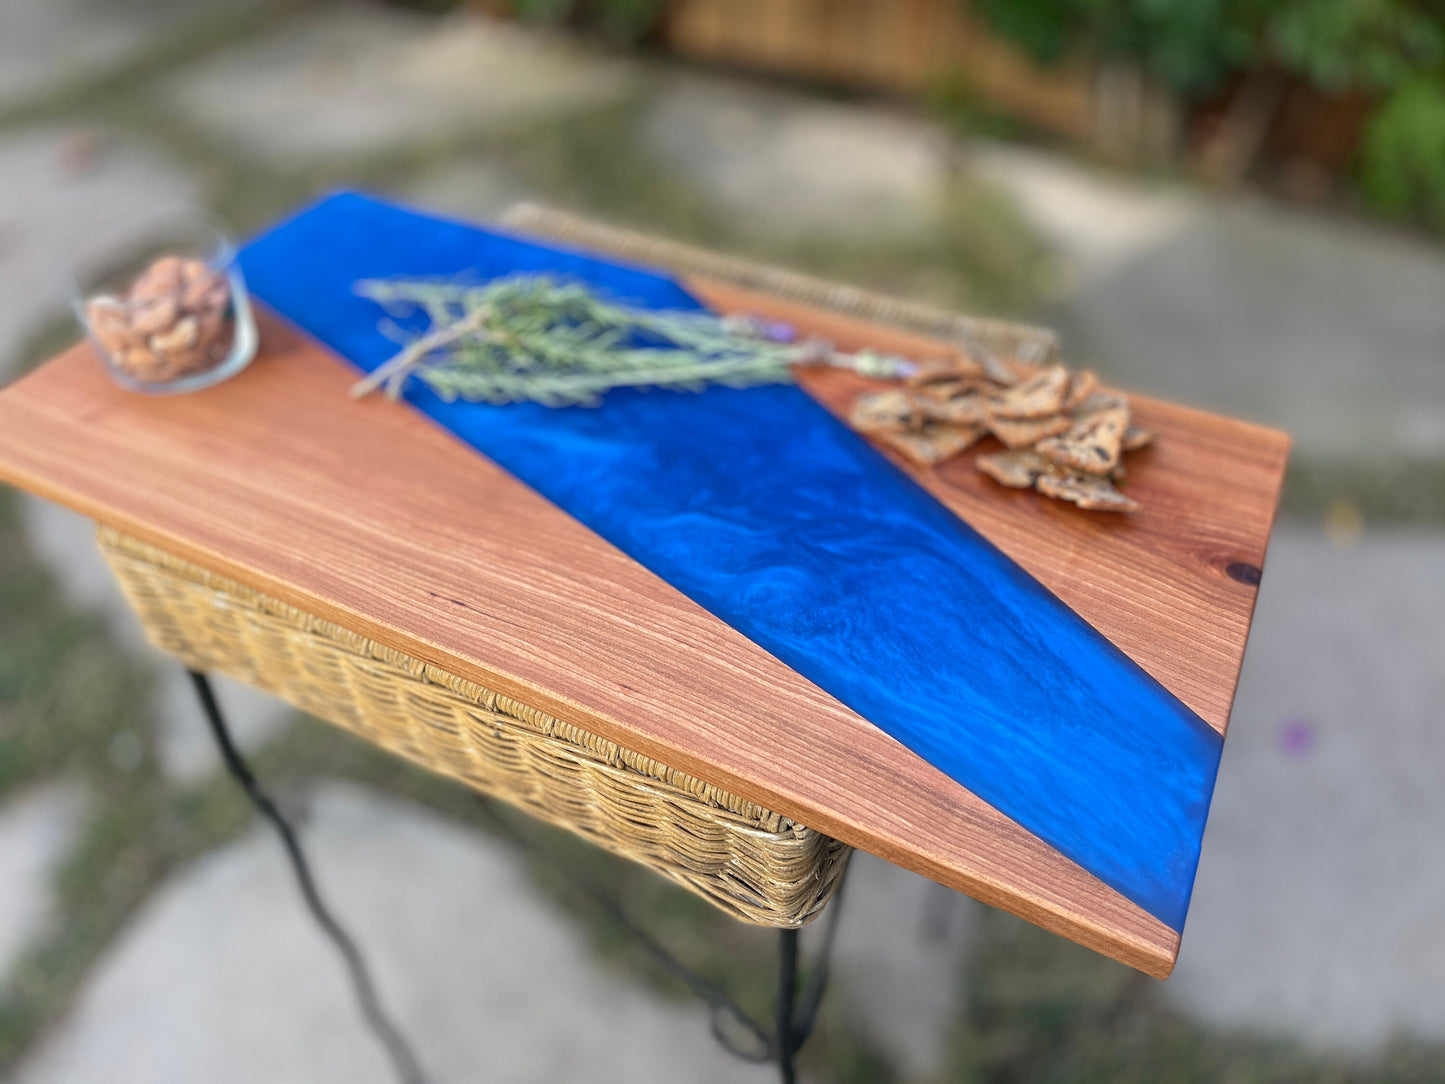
[[533, 338], [393, 373]]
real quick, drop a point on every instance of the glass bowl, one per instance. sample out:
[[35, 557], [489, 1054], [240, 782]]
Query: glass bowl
[[178, 321]]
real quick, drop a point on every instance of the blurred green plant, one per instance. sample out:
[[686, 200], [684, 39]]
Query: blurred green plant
[[1190, 45], [621, 20], [1391, 50], [1403, 157]]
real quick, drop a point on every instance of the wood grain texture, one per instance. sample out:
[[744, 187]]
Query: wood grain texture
[[1174, 584], [368, 515]]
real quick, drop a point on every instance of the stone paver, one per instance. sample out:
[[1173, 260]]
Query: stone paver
[[65, 542], [1096, 220], [787, 162], [1316, 913], [47, 43], [221, 978], [68, 195], [1330, 329], [359, 78], [36, 829], [475, 189]]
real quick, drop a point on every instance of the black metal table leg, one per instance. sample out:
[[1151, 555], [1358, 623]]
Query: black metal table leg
[[785, 1002], [793, 1021], [408, 1069]]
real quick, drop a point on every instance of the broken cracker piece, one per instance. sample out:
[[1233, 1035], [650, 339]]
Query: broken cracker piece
[[993, 366], [1092, 445], [1081, 385], [960, 410], [1016, 469], [956, 387], [1135, 438], [958, 367], [891, 411], [1026, 432], [1088, 491], [1097, 401], [933, 443], [1038, 397]]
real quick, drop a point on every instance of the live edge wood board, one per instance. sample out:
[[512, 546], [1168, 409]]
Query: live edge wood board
[[370, 516]]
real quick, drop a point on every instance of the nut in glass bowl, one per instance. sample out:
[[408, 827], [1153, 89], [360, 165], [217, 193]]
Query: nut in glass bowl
[[184, 322]]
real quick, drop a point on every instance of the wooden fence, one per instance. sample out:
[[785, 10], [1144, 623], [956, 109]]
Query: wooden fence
[[917, 46], [895, 45]]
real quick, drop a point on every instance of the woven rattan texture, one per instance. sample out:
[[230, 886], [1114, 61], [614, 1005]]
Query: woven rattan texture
[[1033, 345], [754, 864]]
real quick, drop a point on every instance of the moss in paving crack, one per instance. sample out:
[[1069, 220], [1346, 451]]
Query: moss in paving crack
[[65, 690]]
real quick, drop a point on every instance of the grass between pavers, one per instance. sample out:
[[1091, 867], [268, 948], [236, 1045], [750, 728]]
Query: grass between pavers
[[65, 691]]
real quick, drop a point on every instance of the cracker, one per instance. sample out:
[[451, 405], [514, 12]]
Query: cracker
[[1038, 397], [1016, 469], [891, 411], [1081, 385], [956, 387], [960, 410], [958, 367], [1026, 432], [1135, 438], [1092, 445], [1097, 401], [933, 443], [994, 367], [1088, 491]]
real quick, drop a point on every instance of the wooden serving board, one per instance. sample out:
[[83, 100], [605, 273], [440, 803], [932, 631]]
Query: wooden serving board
[[370, 516]]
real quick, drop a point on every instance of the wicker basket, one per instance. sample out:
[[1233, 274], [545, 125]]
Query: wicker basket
[[757, 866]]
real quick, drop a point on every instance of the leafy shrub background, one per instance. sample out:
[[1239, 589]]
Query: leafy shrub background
[[1391, 50], [623, 20]]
